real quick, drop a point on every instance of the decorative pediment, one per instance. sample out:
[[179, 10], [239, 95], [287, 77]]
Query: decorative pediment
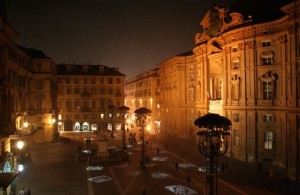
[[215, 21]]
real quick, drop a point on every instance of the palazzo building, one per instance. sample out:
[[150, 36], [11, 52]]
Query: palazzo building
[[28, 89], [245, 65], [86, 94], [143, 91]]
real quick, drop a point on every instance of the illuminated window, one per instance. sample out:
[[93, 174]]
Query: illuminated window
[[102, 116], [268, 140]]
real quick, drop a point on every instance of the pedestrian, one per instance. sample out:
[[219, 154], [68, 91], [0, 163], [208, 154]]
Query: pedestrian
[[285, 181], [147, 160], [157, 151], [188, 179], [176, 166], [259, 166], [271, 172], [223, 167]]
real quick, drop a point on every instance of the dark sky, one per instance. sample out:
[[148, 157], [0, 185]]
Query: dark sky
[[134, 35]]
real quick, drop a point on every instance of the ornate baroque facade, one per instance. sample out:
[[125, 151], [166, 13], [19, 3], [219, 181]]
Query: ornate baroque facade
[[245, 66]]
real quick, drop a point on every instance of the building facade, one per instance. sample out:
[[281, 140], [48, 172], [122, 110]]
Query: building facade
[[245, 66], [28, 89], [143, 91], [88, 97]]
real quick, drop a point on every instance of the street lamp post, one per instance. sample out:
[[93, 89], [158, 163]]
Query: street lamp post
[[141, 119], [111, 110], [123, 111], [213, 143]]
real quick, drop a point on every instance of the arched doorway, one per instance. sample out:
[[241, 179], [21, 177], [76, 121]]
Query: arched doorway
[[77, 126], [85, 126]]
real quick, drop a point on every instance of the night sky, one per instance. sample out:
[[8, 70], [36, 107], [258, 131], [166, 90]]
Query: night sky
[[134, 35]]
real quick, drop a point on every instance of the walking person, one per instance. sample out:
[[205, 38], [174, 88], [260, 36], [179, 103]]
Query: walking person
[[188, 179], [271, 172], [176, 166], [157, 151]]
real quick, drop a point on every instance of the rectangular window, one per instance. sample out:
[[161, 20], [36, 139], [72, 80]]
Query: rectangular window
[[93, 90], [76, 91], [76, 80], [268, 140], [110, 80], [235, 64], [102, 90], [67, 80], [266, 43], [110, 90], [236, 118], [192, 77], [234, 49], [267, 90], [68, 105], [102, 116], [267, 60], [268, 118], [76, 105], [93, 80], [39, 84], [69, 90]]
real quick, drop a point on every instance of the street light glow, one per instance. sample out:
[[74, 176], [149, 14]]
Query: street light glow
[[20, 145], [25, 124], [148, 128]]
